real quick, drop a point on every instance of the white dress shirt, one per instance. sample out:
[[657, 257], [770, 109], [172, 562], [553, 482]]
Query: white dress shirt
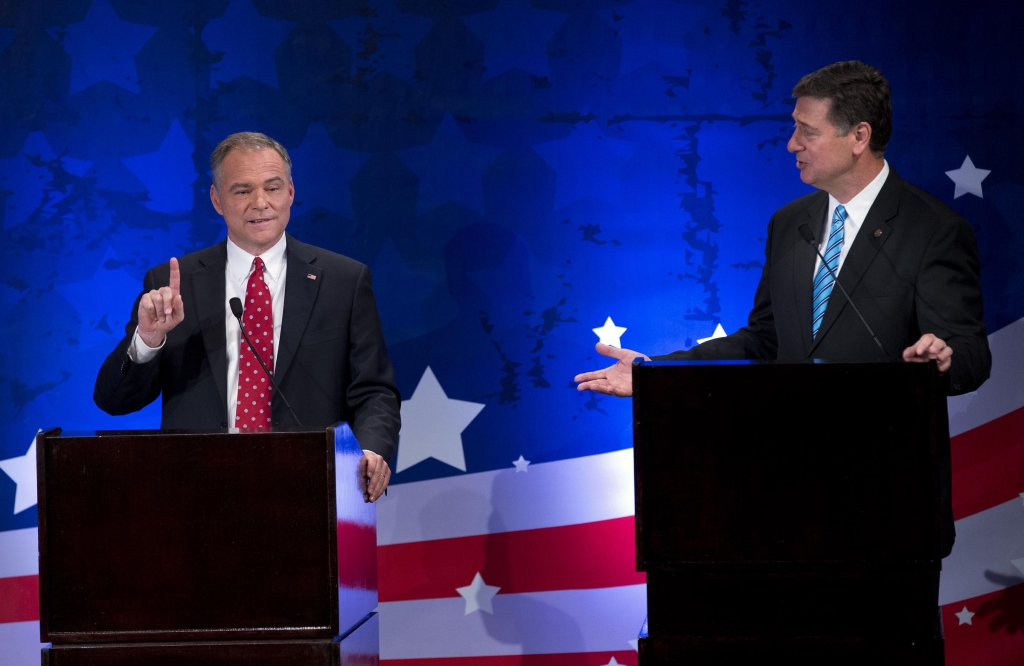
[[856, 210]]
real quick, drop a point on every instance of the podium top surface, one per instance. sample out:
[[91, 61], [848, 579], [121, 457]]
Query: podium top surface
[[661, 363], [204, 431]]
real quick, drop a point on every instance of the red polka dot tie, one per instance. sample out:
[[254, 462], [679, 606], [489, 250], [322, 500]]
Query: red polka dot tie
[[252, 412]]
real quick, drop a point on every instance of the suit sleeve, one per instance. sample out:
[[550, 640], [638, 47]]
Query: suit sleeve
[[949, 305], [372, 396], [123, 387], [756, 340]]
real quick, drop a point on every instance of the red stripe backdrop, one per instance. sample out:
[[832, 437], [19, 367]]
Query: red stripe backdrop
[[585, 556], [19, 599]]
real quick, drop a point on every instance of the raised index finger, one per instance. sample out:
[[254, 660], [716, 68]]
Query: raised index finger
[[175, 277]]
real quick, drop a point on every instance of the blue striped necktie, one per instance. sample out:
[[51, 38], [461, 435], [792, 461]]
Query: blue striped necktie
[[823, 281]]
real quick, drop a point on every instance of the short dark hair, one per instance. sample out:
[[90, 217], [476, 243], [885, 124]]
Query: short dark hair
[[246, 141], [858, 93]]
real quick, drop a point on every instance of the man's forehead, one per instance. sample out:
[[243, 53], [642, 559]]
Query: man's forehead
[[254, 158], [811, 110], [259, 164]]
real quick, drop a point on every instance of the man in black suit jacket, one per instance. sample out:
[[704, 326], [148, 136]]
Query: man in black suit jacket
[[910, 263], [331, 361]]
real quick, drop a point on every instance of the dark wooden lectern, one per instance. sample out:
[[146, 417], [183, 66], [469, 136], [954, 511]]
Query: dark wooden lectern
[[193, 548], [790, 513]]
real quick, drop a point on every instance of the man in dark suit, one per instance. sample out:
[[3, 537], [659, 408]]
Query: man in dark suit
[[908, 261], [183, 342]]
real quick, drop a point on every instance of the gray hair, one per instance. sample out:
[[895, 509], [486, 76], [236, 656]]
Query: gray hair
[[246, 141]]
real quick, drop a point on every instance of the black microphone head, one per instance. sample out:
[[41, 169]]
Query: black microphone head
[[805, 233], [236, 307]]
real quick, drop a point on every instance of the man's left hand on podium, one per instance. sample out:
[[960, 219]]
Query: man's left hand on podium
[[928, 348], [375, 473]]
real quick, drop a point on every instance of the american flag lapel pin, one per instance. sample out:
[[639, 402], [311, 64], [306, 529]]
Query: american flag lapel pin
[[310, 276]]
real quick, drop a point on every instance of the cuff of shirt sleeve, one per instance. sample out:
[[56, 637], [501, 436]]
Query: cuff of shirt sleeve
[[140, 352]]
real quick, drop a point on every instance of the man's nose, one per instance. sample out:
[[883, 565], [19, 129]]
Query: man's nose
[[793, 146]]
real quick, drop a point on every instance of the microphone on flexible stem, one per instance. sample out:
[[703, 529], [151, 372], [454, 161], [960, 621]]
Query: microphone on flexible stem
[[236, 309], [807, 235]]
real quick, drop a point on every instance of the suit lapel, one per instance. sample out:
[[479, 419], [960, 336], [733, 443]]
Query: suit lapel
[[803, 267], [864, 250], [208, 296], [302, 284]]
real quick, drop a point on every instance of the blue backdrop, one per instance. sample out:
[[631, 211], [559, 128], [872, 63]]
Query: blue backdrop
[[513, 172]]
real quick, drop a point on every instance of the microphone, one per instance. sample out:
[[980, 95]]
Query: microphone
[[236, 309], [807, 235]]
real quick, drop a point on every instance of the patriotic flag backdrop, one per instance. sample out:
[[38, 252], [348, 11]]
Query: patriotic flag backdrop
[[524, 177]]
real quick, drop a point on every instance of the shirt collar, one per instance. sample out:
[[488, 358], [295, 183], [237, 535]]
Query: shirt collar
[[240, 261], [858, 206]]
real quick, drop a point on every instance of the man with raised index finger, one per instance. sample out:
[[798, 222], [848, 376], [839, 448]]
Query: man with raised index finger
[[310, 313]]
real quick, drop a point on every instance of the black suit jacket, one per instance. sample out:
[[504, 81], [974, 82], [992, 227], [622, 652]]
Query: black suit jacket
[[913, 269], [331, 364]]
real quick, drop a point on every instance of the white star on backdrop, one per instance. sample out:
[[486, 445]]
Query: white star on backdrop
[[610, 334], [521, 464], [432, 425], [965, 616], [719, 333], [22, 469], [613, 663], [478, 595], [968, 179]]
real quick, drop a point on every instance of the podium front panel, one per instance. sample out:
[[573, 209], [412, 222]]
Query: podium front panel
[[740, 462], [156, 536]]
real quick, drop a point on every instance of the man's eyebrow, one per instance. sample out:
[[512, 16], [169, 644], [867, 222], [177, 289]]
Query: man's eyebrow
[[248, 186]]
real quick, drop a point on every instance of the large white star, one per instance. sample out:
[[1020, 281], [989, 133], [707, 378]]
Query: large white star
[[965, 616], [613, 663], [968, 179], [719, 333], [478, 595], [522, 464], [610, 334], [432, 425], [23, 470]]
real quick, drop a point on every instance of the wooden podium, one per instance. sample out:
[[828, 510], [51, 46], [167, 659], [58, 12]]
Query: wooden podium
[[169, 548], [791, 513]]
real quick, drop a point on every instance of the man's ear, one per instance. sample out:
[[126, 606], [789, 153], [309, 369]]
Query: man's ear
[[861, 138], [215, 200]]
